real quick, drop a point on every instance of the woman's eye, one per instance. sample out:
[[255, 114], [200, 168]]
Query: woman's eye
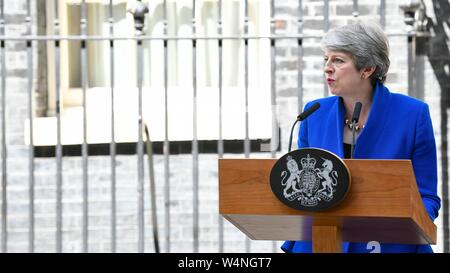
[[333, 60]]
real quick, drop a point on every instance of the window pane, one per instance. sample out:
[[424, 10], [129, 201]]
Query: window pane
[[180, 69]]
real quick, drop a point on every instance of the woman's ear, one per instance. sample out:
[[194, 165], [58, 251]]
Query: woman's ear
[[367, 72]]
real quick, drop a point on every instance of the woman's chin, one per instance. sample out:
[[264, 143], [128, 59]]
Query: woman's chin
[[333, 91]]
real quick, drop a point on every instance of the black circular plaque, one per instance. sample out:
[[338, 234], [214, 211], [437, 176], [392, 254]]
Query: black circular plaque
[[310, 179]]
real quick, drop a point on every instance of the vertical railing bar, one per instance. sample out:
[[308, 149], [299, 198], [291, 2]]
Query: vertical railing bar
[[419, 69], [4, 151], [419, 79], [166, 146], [220, 148], [411, 66], [355, 9], [445, 176], [30, 116], [326, 27], [140, 143], [326, 15], [420, 49], [84, 147], [273, 97], [194, 138], [247, 138], [58, 135], [140, 148], [383, 13], [113, 140], [300, 58]]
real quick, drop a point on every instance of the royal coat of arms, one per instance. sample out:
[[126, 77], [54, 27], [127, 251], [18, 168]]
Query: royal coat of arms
[[304, 184], [309, 180]]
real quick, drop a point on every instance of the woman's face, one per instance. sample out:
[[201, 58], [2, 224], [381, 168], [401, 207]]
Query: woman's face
[[342, 77]]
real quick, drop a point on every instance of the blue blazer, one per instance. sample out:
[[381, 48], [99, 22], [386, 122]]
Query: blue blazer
[[398, 127]]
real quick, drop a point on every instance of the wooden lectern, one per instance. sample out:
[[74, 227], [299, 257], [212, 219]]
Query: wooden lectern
[[383, 205]]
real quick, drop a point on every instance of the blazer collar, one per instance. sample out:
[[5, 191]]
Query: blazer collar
[[340, 126], [374, 124]]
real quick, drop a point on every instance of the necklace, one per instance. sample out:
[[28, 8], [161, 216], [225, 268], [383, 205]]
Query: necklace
[[350, 125]]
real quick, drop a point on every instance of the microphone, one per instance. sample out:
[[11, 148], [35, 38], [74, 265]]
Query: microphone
[[355, 118], [308, 111], [356, 112], [301, 117]]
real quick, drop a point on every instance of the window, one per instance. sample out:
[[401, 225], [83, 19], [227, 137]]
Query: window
[[180, 73]]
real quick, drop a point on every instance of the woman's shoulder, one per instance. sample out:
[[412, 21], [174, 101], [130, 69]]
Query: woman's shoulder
[[407, 103]]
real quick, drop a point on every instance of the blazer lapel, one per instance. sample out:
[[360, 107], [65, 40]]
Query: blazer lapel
[[340, 112], [375, 122]]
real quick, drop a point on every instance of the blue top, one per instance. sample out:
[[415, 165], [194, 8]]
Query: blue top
[[398, 127]]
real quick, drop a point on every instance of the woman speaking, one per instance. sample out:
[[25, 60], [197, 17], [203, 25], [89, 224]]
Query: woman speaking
[[390, 126]]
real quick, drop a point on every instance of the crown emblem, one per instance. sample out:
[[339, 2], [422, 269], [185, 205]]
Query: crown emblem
[[308, 163]]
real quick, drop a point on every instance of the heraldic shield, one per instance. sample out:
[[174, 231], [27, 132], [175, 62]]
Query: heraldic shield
[[310, 179]]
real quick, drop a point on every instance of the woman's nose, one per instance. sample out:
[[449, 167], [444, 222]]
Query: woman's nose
[[328, 69]]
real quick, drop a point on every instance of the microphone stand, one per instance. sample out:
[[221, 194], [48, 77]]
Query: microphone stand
[[290, 137], [353, 138], [355, 118]]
